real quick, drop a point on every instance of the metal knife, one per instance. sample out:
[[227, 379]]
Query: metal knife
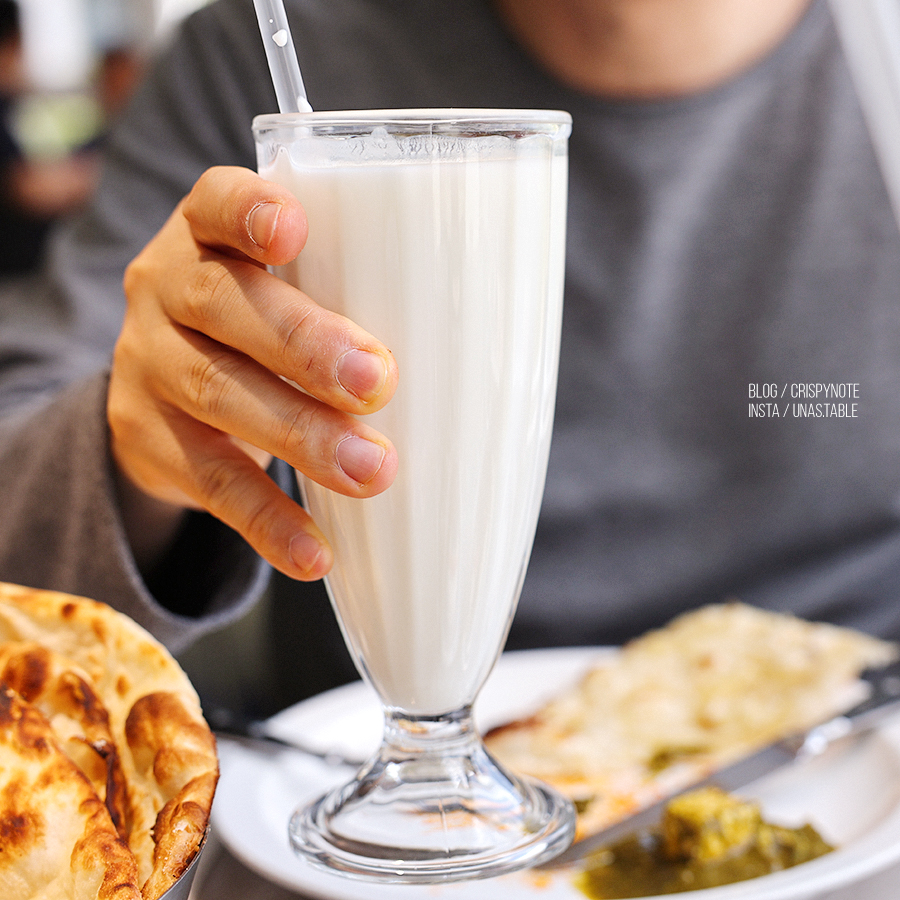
[[255, 733], [883, 700]]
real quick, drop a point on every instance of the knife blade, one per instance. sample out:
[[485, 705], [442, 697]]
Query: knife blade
[[882, 701], [232, 725]]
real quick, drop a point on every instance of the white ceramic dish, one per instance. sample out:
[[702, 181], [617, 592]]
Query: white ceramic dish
[[852, 795]]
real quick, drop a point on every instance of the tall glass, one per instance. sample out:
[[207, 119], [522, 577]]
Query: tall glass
[[442, 233]]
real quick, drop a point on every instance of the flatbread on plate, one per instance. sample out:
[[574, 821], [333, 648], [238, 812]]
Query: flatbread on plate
[[680, 701]]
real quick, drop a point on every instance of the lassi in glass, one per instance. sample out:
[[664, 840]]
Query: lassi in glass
[[441, 233]]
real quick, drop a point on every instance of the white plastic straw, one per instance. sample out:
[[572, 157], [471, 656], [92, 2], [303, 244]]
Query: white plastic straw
[[870, 33], [282, 56]]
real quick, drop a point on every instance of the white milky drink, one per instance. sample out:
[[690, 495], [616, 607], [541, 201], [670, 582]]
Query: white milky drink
[[451, 252], [441, 232]]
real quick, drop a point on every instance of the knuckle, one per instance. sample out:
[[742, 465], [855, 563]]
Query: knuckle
[[133, 428], [123, 351], [258, 522], [301, 338], [211, 286], [294, 334], [133, 277], [204, 186], [216, 483], [296, 432], [208, 382], [125, 424], [139, 272], [230, 489], [130, 389]]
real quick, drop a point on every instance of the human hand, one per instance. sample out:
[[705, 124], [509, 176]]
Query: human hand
[[196, 406]]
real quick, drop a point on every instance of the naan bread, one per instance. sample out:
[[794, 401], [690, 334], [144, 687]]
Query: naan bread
[[57, 840], [63, 694], [672, 705], [125, 714]]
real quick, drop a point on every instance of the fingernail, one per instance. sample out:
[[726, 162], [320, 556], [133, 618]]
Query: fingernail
[[305, 551], [359, 459], [261, 223], [361, 373]]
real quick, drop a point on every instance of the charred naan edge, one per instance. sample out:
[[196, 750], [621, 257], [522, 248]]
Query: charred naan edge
[[57, 841], [174, 777], [182, 826], [124, 665], [80, 721], [682, 700]]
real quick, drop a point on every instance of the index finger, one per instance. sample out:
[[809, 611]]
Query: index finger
[[232, 208]]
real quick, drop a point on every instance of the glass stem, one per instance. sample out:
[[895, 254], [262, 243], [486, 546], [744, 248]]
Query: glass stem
[[407, 736]]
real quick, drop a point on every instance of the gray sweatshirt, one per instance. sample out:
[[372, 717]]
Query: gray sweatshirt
[[722, 248]]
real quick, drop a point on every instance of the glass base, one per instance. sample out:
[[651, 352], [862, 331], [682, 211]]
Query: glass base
[[433, 806]]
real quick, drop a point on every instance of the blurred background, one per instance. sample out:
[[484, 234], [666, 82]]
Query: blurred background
[[67, 67]]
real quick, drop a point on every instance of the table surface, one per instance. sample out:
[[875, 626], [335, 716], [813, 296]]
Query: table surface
[[222, 877]]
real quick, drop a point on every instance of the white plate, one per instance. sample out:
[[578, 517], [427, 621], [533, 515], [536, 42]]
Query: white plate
[[851, 795]]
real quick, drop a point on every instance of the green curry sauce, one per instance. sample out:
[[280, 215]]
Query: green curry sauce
[[706, 839]]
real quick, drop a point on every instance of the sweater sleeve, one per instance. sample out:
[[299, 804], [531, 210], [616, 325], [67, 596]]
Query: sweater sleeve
[[60, 527]]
